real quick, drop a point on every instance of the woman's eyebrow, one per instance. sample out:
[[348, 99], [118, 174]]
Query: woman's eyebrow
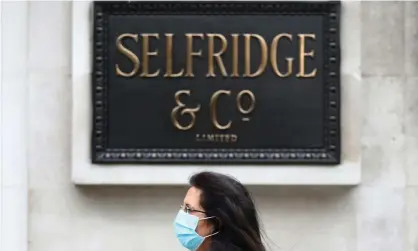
[[189, 206]]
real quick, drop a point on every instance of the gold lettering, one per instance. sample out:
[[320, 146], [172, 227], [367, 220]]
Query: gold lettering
[[129, 54], [234, 138], [239, 101], [269, 55], [273, 56], [211, 137], [190, 53], [146, 54], [217, 55], [169, 57], [263, 63], [303, 54], [235, 55], [214, 137], [181, 106], [213, 102]]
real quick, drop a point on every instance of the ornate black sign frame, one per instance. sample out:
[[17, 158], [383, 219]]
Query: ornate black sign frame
[[329, 154]]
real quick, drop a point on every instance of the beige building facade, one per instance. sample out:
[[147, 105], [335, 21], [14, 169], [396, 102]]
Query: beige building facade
[[42, 209]]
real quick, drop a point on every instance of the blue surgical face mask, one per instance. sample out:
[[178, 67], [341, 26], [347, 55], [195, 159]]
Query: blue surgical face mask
[[185, 227]]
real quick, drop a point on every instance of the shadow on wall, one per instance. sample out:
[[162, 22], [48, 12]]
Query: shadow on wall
[[292, 217], [122, 199], [265, 194], [270, 200], [309, 201]]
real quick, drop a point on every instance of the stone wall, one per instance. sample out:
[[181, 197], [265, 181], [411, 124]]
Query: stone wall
[[379, 215]]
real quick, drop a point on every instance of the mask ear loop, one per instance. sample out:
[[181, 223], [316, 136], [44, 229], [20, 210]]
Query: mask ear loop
[[211, 235], [207, 218]]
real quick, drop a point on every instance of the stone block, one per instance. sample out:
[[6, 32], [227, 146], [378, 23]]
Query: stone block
[[383, 133], [50, 38], [411, 38], [412, 218], [380, 218], [411, 130], [49, 130], [382, 38]]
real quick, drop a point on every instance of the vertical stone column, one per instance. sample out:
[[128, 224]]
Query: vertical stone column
[[381, 203], [14, 114], [411, 124], [1, 177]]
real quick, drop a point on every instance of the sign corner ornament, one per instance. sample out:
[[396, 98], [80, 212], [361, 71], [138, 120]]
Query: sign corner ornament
[[216, 82]]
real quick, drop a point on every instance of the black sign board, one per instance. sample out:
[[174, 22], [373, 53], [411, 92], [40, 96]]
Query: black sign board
[[216, 82]]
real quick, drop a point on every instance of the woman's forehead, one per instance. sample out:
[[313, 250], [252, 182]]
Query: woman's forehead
[[192, 198]]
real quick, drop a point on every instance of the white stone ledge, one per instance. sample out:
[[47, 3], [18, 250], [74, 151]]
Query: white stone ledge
[[347, 173]]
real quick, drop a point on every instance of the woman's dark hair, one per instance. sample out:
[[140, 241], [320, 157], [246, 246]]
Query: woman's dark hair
[[236, 216]]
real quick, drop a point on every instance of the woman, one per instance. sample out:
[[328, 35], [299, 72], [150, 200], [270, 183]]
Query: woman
[[218, 214]]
